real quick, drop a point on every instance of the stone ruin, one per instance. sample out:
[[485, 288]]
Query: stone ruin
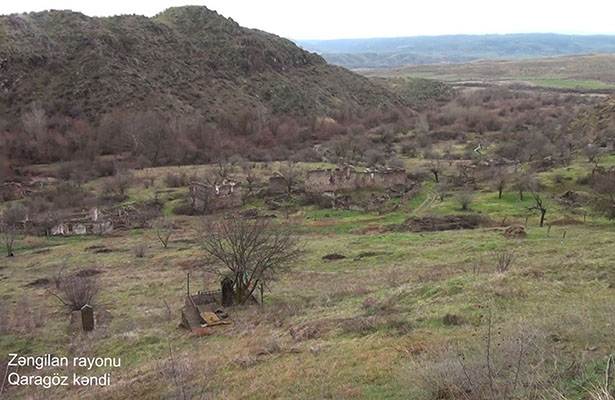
[[98, 221], [206, 197], [91, 222], [349, 179]]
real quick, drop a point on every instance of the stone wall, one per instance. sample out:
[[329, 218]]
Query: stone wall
[[348, 179], [86, 223], [102, 221], [208, 198]]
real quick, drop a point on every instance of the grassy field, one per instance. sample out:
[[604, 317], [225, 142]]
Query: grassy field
[[372, 325], [592, 72]]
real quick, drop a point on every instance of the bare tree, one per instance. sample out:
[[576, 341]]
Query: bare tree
[[539, 205], [11, 224], [251, 178], [500, 180], [223, 168], [524, 182], [164, 230], [435, 168], [253, 251], [74, 291], [34, 123], [291, 174]]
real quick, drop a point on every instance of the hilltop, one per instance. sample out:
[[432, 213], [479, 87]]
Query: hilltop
[[186, 59]]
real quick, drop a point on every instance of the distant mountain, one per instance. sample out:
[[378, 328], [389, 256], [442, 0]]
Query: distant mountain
[[396, 52], [187, 59]]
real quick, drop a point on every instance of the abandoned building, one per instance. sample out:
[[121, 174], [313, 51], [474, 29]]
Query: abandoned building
[[348, 179], [207, 198], [83, 223], [99, 221]]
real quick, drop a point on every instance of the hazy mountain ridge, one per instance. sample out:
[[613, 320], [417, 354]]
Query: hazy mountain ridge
[[395, 52], [184, 59]]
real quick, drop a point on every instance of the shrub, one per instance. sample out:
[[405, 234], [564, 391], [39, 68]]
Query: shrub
[[174, 180], [75, 291], [465, 199], [504, 261], [506, 366]]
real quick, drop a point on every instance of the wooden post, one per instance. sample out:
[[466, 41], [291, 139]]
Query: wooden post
[[87, 318], [228, 292]]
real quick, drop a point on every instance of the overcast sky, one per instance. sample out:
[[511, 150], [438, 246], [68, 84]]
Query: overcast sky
[[327, 19]]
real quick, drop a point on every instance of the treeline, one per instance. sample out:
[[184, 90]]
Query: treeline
[[152, 138]]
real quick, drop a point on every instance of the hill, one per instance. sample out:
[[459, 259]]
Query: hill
[[395, 52], [187, 59]]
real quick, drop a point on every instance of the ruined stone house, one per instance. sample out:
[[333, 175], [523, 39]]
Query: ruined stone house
[[91, 222], [102, 221], [206, 197], [349, 179]]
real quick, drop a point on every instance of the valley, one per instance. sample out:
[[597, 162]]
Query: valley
[[197, 210]]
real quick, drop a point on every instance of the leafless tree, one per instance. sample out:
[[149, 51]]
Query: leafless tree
[[34, 122], [524, 182], [164, 230], [11, 224], [291, 174], [539, 205], [251, 179], [253, 251], [223, 168], [435, 168], [74, 291], [500, 180]]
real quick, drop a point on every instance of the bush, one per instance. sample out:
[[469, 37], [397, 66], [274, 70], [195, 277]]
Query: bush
[[174, 180], [465, 199], [504, 261], [104, 168], [75, 291], [506, 367]]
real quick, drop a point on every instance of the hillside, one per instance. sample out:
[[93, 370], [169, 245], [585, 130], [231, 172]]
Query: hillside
[[396, 52], [185, 59]]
